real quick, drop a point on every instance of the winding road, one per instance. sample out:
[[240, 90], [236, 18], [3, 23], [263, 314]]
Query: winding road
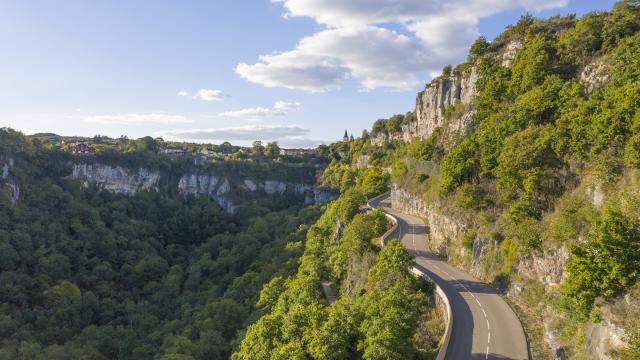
[[484, 325]]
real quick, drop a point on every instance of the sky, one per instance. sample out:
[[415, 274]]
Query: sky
[[298, 72]]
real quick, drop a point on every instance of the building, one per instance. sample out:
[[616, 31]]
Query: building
[[174, 151], [81, 148], [209, 152], [295, 152], [345, 138]]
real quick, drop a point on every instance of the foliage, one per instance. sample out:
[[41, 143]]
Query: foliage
[[606, 265], [91, 274]]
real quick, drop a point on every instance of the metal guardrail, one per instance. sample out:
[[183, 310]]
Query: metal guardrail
[[442, 352]]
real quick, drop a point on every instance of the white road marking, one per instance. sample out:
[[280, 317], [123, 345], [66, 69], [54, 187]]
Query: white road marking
[[487, 355], [488, 326], [485, 313], [489, 338]]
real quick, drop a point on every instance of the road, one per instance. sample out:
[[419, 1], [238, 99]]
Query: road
[[484, 325]]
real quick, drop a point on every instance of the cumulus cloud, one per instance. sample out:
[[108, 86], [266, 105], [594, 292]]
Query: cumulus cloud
[[280, 108], [285, 135], [356, 43], [137, 119], [209, 95], [183, 93]]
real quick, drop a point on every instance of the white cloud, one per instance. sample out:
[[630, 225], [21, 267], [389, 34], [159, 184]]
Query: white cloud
[[137, 119], [285, 106], [183, 93], [356, 45], [280, 108], [209, 95], [285, 135]]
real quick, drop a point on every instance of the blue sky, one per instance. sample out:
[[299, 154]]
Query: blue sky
[[295, 71]]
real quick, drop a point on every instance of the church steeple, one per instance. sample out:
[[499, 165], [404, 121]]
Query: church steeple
[[346, 136]]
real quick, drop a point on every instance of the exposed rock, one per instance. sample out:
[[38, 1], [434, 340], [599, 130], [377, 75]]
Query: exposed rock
[[546, 268], [442, 228], [116, 179], [596, 195], [272, 187], [362, 162], [14, 192], [249, 185], [197, 184], [7, 164], [221, 190], [602, 338], [431, 104], [595, 74], [510, 52], [321, 196]]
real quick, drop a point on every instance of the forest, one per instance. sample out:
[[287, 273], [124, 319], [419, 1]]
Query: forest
[[87, 274]]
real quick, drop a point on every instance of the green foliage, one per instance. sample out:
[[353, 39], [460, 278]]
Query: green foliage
[[373, 181], [446, 71], [632, 152], [532, 63], [372, 324], [91, 274], [579, 43], [606, 265], [468, 239], [460, 165], [478, 48]]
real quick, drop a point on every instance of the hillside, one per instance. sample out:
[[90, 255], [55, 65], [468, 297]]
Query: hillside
[[103, 259], [523, 162]]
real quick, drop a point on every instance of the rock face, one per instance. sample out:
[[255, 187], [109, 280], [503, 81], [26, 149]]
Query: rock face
[[443, 230], [509, 52], [595, 74], [12, 188], [221, 190], [431, 103], [544, 268], [226, 192], [116, 179]]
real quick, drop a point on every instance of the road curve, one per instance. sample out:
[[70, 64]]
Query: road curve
[[484, 326]]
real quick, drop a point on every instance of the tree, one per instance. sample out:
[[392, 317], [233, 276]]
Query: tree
[[257, 149], [608, 264], [374, 182], [272, 150], [479, 47]]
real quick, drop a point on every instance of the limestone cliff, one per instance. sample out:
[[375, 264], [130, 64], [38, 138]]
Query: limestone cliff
[[223, 189], [431, 103], [12, 188], [116, 179]]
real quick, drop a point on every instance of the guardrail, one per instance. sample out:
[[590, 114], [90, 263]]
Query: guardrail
[[442, 352]]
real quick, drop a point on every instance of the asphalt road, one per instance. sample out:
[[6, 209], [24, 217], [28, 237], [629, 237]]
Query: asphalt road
[[484, 326]]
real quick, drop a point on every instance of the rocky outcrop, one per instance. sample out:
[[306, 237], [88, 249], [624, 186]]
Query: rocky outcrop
[[12, 188], [223, 190], [116, 179], [431, 103], [509, 52], [443, 229], [595, 74], [441, 93]]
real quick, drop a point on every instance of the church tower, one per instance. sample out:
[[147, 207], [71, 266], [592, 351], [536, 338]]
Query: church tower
[[345, 137]]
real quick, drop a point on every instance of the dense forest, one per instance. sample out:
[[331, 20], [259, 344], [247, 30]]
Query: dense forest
[[87, 274]]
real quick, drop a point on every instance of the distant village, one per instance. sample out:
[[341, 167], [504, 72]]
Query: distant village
[[83, 146]]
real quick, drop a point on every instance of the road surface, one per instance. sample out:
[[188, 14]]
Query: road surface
[[484, 326]]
